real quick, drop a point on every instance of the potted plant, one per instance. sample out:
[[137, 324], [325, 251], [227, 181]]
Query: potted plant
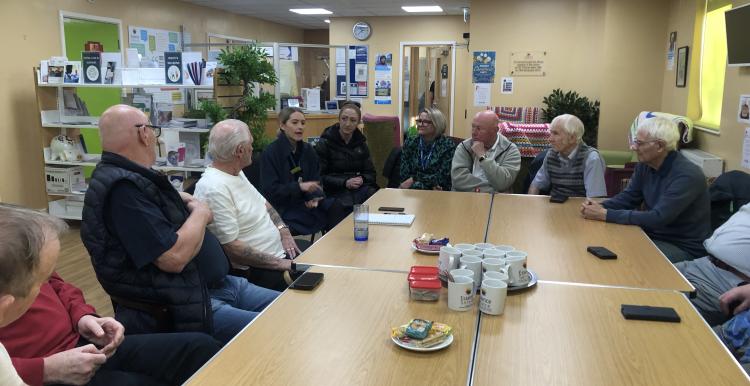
[[570, 102], [249, 67]]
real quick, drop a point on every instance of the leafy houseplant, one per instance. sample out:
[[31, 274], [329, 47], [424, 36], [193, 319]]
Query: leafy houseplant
[[247, 66], [570, 102]]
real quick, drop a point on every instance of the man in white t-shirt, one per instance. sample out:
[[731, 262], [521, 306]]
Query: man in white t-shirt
[[250, 230]]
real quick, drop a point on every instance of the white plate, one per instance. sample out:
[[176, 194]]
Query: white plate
[[440, 346], [414, 247]]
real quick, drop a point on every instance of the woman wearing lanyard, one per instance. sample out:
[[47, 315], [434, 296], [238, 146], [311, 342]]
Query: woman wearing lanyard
[[426, 158], [346, 167], [290, 177]]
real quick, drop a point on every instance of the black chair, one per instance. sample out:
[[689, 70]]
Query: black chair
[[729, 192], [392, 168]]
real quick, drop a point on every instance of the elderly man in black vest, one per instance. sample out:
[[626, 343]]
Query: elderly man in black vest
[[149, 243], [571, 168]]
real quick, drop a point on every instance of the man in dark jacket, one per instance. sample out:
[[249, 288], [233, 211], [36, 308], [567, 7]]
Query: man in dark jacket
[[149, 243], [671, 189]]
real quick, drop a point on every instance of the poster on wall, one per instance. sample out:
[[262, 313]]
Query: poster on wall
[[506, 85], [481, 94], [151, 43], [743, 111], [671, 45], [483, 68], [528, 63], [358, 67], [383, 78]]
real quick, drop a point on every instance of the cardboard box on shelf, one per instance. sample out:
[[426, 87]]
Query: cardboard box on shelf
[[64, 179]]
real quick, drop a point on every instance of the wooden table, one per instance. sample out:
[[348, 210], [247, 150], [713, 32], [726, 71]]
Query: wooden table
[[339, 334], [460, 216], [556, 236], [559, 334]]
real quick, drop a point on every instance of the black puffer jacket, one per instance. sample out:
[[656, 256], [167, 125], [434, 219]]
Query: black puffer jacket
[[341, 161]]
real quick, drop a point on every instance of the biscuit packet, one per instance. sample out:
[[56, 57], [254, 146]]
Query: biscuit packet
[[437, 334]]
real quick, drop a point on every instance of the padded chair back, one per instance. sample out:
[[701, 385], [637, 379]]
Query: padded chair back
[[729, 192], [534, 167], [383, 134]]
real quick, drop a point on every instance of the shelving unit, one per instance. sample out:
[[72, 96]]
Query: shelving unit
[[50, 101]]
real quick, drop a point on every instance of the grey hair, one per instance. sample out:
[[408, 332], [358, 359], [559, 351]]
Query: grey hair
[[23, 234], [569, 124], [225, 137], [438, 119], [662, 129]]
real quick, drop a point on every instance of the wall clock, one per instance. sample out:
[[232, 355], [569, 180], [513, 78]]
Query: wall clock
[[361, 30]]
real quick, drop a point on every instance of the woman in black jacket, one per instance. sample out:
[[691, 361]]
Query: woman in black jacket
[[346, 168], [290, 177]]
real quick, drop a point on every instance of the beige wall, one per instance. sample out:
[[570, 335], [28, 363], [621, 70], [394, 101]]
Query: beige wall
[[388, 33], [728, 143], [29, 32], [610, 50]]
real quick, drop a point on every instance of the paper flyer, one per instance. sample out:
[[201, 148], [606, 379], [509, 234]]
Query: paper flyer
[[506, 86], [383, 78], [481, 94], [483, 68], [743, 111]]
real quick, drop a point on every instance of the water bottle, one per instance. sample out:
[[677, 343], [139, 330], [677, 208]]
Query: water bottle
[[361, 216]]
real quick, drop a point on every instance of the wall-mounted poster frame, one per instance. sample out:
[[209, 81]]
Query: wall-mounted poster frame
[[356, 63], [682, 63]]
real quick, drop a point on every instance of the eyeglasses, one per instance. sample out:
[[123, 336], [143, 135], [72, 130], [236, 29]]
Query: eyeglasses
[[156, 129], [424, 122], [639, 143]]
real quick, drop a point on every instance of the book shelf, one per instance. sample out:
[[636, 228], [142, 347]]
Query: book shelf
[[68, 203]]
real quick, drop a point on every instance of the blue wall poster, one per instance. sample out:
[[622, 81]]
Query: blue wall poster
[[483, 68]]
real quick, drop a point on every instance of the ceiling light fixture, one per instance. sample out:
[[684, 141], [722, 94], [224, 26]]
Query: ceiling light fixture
[[422, 8], [311, 11]]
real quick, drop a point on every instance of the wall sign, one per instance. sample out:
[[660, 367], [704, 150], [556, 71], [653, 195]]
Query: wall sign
[[528, 63]]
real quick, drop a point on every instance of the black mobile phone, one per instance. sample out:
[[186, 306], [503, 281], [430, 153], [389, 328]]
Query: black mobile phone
[[390, 209], [307, 281], [657, 314], [558, 199], [602, 253]]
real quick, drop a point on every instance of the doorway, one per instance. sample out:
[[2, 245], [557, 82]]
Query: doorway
[[426, 80]]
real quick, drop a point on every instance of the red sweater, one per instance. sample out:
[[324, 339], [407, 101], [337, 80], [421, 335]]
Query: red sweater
[[48, 327]]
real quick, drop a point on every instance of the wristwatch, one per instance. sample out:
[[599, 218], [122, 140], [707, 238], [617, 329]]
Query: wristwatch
[[294, 267], [481, 158], [282, 226]]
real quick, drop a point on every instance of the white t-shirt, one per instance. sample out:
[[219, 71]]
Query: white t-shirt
[[8, 374], [239, 211]]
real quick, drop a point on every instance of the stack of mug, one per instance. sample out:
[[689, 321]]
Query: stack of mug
[[484, 266]]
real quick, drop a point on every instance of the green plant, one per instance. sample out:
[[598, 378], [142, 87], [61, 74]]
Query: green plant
[[248, 66], [570, 102], [213, 111]]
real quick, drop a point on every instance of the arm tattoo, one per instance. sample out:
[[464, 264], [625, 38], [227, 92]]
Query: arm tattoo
[[275, 217], [255, 258]]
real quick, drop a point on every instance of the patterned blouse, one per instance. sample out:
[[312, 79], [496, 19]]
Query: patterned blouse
[[429, 164]]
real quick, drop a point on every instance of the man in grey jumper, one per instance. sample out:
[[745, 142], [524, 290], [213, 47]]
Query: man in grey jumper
[[667, 195], [486, 162]]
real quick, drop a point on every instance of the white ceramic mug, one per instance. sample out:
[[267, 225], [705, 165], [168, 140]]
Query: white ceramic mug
[[497, 275], [461, 293], [492, 264], [505, 248], [492, 296], [516, 261], [448, 260], [493, 253], [483, 246], [473, 263], [464, 247], [462, 272]]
